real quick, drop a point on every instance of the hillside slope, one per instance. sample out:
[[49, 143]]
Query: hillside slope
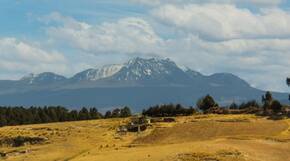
[[201, 138]]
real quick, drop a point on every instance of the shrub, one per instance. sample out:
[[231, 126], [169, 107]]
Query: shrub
[[276, 106]]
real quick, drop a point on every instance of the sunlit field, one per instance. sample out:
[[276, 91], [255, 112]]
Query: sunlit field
[[191, 138]]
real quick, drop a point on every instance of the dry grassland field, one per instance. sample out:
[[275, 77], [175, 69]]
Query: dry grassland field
[[193, 138]]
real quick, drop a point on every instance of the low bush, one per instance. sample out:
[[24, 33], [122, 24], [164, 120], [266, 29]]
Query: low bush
[[21, 141]]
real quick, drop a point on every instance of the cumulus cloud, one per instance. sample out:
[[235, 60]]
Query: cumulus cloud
[[127, 36], [222, 22], [207, 37], [253, 60], [215, 37], [21, 57]]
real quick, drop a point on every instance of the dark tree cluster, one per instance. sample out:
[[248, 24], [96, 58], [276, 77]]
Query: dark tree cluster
[[168, 111], [250, 107], [205, 103], [119, 113], [10, 116], [270, 104], [249, 104]]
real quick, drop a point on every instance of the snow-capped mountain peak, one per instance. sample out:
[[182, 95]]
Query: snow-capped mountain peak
[[96, 74], [141, 69], [135, 69], [109, 70]]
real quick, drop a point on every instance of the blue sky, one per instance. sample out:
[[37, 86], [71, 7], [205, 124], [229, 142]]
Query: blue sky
[[18, 14], [249, 38]]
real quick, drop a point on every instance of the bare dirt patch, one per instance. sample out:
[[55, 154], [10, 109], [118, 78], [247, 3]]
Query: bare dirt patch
[[223, 155]]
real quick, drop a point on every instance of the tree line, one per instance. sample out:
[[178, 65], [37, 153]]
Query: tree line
[[119, 113], [10, 116], [269, 105], [169, 110]]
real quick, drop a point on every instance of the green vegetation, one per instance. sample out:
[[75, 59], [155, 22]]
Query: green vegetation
[[10, 116], [34, 115], [168, 111], [117, 113], [206, 103], [20, 141]]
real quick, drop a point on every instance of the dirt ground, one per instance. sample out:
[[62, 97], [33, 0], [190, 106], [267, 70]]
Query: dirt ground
[[193, 138]]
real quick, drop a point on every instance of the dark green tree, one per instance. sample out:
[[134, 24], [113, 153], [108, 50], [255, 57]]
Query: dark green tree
[[233, 106], [52, 114], [168, 111], [95, 114], [267, 100], [268, 96], [3, 121], [108, 114], [206, 103], [34, 115], [84, 114], [116, 113], [249, 104], [73, 115], [276, 106], [126, 112]]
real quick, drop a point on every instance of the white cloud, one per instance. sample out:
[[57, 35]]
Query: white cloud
[[258, 3], [224, 38], [209, 38], [21, 57], [127, 36], [264, 63], [223, 22]]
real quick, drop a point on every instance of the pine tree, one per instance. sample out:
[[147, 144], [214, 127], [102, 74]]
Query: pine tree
[[108, 114], [276, 106], [234, 106], [206, 103], [116, 113], [84, 114], [73, 115], [126, 112], [267, 100]]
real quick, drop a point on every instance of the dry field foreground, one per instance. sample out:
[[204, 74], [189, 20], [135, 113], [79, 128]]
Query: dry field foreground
[[195, 138]]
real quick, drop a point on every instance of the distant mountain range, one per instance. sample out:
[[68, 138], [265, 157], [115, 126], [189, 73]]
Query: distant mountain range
[[138, 83]]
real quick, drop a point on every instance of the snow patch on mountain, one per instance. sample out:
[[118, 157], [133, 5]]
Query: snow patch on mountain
[[96, 74], [147, 69]]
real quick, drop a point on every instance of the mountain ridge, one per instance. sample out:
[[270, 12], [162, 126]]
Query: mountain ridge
[[138, 83], [133, 70]]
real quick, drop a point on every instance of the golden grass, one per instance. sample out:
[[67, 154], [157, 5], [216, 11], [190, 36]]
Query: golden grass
[[212, 129], [220, 137]]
